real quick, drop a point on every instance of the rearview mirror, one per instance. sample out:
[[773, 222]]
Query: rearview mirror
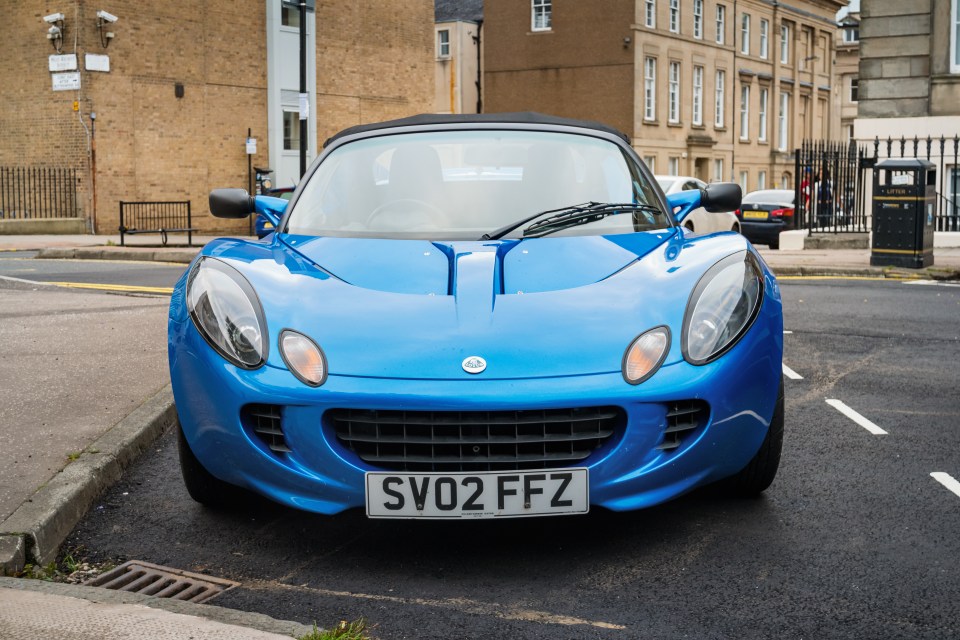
[[721, 196], [231, 203]]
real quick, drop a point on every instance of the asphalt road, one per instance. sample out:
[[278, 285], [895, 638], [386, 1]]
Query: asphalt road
[[854, 539], [106, 275]]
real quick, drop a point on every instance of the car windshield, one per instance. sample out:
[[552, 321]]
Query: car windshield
[[769, 196], [459, 185]]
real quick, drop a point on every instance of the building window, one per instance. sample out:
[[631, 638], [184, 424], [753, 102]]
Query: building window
[[785, 43], [744, 113], [761, 180], [698, 19], [673, 87], [675, 16], [291, 130], [851, 33], [674, 166], [290, 17], [698, 95], [650, 89], [651, 162], [718, 169], [541, 15], [783, 125], [745, 34], [854, 88], [744, 177], [719, 101], [764, 99], [764, 38], [650, 13], [721, 23], [443, 43]]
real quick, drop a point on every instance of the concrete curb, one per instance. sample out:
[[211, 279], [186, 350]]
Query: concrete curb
[[182, 256], [42, 523], [930, 273], [257, 621]]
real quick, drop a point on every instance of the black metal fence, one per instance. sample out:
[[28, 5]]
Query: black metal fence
[[156, 217], [834, 181], [29, 193]]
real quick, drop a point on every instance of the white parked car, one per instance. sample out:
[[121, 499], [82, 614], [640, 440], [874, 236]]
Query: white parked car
[[699, 220]]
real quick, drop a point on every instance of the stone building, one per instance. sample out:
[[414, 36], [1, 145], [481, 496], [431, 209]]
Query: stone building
[[848, 67], [720, 90], [186, 81]]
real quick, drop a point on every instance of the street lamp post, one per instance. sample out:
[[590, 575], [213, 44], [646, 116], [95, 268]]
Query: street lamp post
[[304, 100]]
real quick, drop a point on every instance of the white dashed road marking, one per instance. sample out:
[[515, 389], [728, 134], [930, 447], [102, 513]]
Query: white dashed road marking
[[856, 417], [947, 480], [790, 373]]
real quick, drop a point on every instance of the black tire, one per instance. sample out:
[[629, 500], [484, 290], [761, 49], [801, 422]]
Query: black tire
[[689, 227], [775, 244], [202, 485], [759, 473]]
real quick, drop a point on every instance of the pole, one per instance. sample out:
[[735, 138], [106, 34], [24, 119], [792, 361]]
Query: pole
[[93, 171], [250, 179], [304, 105]]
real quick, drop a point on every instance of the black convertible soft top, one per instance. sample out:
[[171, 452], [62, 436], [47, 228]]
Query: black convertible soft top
[[525, 117]]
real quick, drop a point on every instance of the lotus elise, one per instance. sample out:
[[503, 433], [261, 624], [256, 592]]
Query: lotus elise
[[482, 316]]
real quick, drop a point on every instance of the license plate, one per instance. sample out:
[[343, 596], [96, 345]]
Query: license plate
[[755, 215], [485, 494]]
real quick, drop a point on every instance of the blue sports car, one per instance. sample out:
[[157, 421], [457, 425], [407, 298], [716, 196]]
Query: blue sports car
[[481, 316]]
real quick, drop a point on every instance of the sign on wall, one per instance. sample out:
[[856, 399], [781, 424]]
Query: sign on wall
[[97, 62], [66, 81], [66, 62]]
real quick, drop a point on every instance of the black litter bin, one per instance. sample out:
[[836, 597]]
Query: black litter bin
[[904, 207]]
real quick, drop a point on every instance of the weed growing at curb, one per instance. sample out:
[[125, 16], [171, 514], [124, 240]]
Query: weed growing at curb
[[344, 631]]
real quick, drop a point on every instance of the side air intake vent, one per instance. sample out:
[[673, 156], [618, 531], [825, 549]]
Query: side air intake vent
[[266, 423], [683, 418]]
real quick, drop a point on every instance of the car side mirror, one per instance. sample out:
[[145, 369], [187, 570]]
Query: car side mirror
[[721, 196], [231, 203]]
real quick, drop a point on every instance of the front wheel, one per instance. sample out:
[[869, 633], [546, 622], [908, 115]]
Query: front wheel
[[759, 473], [202, 485]]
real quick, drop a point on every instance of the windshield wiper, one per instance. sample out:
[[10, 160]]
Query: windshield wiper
[[566, 217]]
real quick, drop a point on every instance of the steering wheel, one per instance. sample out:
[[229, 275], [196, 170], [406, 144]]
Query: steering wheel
[[405, 213]]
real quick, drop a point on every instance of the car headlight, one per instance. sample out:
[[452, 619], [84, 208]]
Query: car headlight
[[227, 313], [303, 357], [722, 307], [645, 355]]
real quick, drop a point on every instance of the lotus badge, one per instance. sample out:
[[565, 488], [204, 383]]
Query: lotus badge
[[474, 364]]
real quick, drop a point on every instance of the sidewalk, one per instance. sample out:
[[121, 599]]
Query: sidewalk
[[34, 531]]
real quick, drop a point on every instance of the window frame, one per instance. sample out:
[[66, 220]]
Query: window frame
[[697, 103], [762, 114], [719, 99], [650, 14], [650, 89], [745, 34], [783, 121], [545, 9], [718, 169], [721, 24], [674, 21], [764, 38], [698, 19], [784, 43], [673, 92], [761, 180], [441, 44], [673, 166], [854, 94], [744, 112]]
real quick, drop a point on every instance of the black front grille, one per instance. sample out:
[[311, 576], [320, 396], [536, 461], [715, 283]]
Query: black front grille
[[265, 422], [475, 440], [683, 418]]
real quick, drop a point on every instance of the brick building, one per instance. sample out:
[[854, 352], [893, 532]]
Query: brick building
[[187, 79], [713, 89]]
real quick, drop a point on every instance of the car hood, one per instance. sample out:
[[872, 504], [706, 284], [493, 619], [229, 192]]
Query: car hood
[[531, 308]]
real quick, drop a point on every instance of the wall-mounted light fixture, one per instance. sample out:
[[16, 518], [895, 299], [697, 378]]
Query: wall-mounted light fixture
[[104, 19], [55, 32]]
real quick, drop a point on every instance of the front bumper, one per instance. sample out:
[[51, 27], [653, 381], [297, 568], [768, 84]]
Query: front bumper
[[319, 474]]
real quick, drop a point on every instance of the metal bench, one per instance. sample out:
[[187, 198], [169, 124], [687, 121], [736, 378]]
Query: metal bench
[[156, 217]]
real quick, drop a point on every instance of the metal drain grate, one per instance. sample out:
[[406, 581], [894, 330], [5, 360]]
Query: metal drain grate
[[161, 582]]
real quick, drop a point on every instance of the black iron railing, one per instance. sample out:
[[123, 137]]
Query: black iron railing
[[29, 193], [834, 180]]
